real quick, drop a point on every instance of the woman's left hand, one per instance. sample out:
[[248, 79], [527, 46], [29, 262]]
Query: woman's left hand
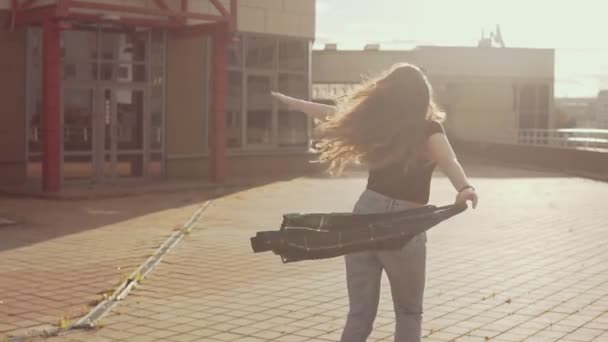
[[467, 195]]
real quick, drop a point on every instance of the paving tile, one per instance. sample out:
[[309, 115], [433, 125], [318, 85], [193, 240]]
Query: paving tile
[[530, 269]]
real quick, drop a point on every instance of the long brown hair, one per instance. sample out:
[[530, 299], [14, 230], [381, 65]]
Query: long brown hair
[[382, 121]]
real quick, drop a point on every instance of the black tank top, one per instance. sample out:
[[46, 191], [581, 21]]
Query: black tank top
[[412, 185]]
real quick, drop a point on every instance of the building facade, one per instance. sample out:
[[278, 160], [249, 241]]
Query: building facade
[[489, 94], [587, 112], [601, 109], [575, 112], [100, 91]]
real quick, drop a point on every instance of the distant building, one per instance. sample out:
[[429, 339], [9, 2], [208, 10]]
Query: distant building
[[490, 94], [589, 112], [601, 107], [578, 110]]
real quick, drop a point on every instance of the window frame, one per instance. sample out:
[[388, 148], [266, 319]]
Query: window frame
[[273, 73]]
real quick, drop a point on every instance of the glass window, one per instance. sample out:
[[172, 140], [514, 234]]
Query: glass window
[[127, 73], [295, 85], [235, 53], [534, 106], [72, 71], [132, 46], [257, 65], [234, 114], [260, 52], [156, 117], [34, 93], [106, 71], [129, 118], [293, 55], [293, 126], [259, 110], [108, 42], [157, 47], [77, 122], [86, 41], [34, 115], [527, 98], [157, 75]]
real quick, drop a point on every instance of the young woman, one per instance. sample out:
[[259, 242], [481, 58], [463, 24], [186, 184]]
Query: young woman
[[391, 124]]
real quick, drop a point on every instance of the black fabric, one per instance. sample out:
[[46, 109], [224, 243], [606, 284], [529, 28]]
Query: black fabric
[[412, 185], [328, 235]]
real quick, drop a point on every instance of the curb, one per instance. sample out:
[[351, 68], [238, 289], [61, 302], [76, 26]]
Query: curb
[[122, 291]]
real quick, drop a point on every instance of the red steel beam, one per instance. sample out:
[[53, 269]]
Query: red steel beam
[[150, 22], [197, 30], [143, 10], [36, 15], [63, 7], [27, 4], [126, 20], [51, 93], [14, 6], [233, 15], [84, 17], [218, 5], [161, 4]]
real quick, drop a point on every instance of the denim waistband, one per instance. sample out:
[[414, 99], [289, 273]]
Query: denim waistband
[[382, 200]]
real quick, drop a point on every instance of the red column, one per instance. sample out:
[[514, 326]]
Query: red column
[[51, 92], [219, 92]]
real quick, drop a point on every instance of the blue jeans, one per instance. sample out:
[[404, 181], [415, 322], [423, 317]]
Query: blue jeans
[[405, 269]]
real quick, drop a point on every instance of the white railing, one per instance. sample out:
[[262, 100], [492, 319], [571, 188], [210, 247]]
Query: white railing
[[575, 138], [571, 138]]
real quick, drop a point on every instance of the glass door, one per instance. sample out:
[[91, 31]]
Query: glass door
[[122, 127], [78, 137], [129, 126]]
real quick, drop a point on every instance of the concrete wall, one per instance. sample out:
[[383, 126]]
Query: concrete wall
[[186, 104], [478, 109], [12, 110], [337, 66], [488, 62], [512, 63], [295, 18], [593, 164]]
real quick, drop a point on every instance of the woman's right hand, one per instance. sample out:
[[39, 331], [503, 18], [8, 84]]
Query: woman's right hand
[[467, 195]]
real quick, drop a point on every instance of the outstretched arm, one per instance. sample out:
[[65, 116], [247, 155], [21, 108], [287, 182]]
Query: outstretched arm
[[316, 110], [441, 152]]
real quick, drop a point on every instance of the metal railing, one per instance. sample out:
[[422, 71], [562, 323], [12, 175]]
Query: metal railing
[[570, 138], [575, 138]]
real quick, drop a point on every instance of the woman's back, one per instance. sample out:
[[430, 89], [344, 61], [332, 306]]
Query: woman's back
[[411, 184]]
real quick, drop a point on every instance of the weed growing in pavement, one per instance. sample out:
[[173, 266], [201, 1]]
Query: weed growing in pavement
[[64, 321]]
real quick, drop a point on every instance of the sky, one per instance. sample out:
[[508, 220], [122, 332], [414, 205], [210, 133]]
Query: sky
[[577, 30]]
